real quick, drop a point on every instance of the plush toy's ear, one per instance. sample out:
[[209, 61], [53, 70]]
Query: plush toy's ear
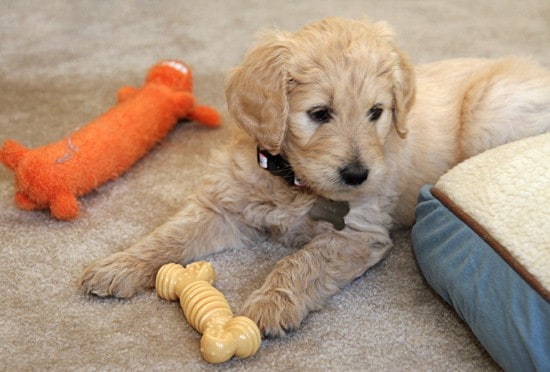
[[256, 92]]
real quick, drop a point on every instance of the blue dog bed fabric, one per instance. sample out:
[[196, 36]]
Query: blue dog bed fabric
[[483, 243]]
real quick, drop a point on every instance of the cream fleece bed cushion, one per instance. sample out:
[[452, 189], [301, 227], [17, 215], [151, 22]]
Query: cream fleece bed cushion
[[482, 240]]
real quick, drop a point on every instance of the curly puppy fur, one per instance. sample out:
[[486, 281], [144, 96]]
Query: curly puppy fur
[[357, 123]]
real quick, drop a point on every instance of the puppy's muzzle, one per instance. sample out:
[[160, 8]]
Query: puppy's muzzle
[[354, 174]]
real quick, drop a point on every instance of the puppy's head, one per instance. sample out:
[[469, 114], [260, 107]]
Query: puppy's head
[[327, 97]]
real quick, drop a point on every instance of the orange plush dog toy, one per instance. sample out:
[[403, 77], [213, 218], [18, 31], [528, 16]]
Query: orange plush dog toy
[[53, 176]]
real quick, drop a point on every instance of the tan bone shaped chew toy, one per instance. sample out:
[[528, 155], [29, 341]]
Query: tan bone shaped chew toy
[[207, 310]]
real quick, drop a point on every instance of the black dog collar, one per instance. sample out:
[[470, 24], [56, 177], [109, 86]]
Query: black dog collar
[[278, 166], [324, 209]]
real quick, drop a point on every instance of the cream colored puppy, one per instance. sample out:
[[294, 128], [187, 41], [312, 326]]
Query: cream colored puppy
[[361, 131]]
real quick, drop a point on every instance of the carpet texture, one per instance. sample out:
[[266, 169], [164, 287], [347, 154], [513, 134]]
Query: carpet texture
[[61, 64]]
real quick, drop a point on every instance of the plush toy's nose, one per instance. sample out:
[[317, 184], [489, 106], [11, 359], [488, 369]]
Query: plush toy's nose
[[174, 74], [179, 66]]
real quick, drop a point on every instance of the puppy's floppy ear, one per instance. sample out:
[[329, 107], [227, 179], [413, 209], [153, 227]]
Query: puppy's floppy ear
[[404, 89], [256, 92], [404, 83]]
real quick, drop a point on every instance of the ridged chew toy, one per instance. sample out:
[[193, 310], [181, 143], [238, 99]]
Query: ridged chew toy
[[53, 176], [206, 309]]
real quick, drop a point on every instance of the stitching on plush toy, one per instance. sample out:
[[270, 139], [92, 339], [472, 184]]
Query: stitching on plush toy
[[71, 149]]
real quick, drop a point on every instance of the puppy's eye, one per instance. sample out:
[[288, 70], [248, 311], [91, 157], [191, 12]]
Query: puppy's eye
[[320, 114], [375, 112]]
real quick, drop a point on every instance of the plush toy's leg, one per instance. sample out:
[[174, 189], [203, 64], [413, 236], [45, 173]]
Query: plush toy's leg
[[125, 93], [183, 102], [64, 207], [11, 153], [205, 115], [24, 202]]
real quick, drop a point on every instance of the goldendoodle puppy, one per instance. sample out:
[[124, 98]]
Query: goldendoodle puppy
[[336, 133]]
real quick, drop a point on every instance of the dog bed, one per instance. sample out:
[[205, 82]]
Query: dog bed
[[482, 240]]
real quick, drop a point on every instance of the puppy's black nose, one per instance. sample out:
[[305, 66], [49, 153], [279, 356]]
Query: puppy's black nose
[[354, 174]]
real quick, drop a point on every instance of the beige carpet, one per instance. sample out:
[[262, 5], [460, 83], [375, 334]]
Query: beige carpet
[[60, 66]]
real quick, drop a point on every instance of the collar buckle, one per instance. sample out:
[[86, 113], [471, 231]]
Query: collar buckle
[[278, 166]]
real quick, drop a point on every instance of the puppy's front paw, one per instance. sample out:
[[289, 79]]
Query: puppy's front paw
[[119, 275], [276, 311]]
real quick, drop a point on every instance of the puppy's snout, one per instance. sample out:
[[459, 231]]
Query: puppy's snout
[[354, 173]]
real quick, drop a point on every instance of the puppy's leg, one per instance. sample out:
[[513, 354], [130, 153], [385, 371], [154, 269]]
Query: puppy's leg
[[302, 282], [200, 228]]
